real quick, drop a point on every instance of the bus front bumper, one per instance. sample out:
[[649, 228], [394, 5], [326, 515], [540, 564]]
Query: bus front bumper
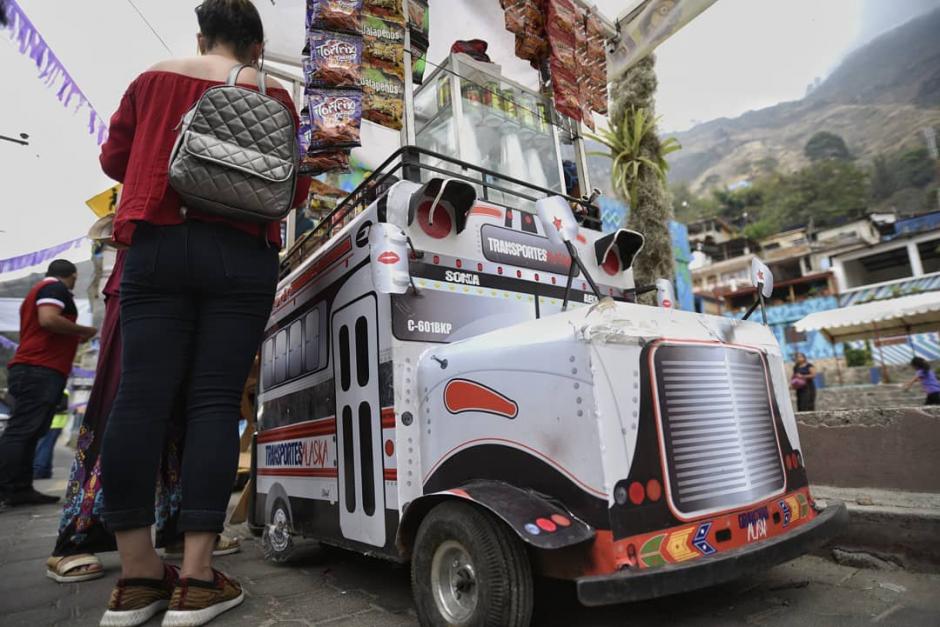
[[640, 584]]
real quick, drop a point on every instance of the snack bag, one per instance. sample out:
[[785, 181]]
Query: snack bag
[[386, 9], [335, 59], [383, 98], [562, 16], [383, 46], [320, 161], [335, 118], [565, 90], [419, 18], [419, 62], [338, 15]]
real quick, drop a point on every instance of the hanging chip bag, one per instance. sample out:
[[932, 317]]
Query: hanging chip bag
[[334, 59], [338, 15], [335, 118]]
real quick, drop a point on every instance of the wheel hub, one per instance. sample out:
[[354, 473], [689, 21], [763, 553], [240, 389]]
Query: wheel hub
[[278, 531], [454, 582]]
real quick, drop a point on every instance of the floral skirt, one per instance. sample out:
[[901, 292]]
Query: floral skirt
[[81, 529]]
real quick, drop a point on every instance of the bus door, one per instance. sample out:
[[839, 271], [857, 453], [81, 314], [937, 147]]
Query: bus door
[[358, 422]]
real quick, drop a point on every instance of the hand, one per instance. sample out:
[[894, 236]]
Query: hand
[[87, 333]]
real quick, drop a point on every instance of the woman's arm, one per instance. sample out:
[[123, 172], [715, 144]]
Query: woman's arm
[[811, 374], [116, 151], [911, 383]]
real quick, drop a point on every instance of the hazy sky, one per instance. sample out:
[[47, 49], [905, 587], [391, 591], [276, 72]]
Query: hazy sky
[[738, 55]]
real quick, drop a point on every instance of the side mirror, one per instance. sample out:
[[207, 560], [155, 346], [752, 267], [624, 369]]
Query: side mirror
[[615, 252], [388, 250], [762, 278], [665, 294], [557, 219]]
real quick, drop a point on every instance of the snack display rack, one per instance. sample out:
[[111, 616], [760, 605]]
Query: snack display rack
[[468, 111]]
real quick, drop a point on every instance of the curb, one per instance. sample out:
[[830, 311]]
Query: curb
[[902, 528]]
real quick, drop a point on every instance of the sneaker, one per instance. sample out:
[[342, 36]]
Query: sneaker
[[30, 497], [224, 545], [196, 602], [135, 601]]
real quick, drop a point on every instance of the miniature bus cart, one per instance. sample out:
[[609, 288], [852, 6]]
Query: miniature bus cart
[[432, 392]]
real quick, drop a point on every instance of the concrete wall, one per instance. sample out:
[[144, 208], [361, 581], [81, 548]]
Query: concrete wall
[[865, 396], [893, 449]]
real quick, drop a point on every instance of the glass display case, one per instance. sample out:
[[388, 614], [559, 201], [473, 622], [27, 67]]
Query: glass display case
[[467, 111]]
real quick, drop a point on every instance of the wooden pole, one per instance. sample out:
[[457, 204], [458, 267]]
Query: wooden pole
[[881, 356]]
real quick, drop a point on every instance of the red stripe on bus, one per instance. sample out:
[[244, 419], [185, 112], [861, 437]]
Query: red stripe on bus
[[300, 472], [493, 212], [332, 256], [391, 474], [323, 426]]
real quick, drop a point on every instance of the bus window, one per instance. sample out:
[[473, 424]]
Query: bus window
[[294, 348], [267, 364], [362, 351], [280, 357], [312, 341]]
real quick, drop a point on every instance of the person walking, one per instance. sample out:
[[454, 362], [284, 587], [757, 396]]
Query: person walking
[[803, 382], [42, 460], [49, 339], [196, 293], [928, 381]]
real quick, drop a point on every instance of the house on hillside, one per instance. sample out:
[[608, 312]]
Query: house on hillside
[[816, 269]]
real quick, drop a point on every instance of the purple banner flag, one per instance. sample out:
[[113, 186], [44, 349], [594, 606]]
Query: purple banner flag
[[51, 71], [40, 256]]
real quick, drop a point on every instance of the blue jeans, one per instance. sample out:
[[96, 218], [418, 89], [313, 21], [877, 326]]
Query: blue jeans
[[37, 391], [42, 462], [195, 299]]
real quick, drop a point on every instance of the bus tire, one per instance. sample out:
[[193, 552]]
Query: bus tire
[[277, 542], [469, 570]]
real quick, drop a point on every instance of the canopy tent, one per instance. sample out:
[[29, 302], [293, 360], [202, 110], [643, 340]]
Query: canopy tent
[[918, 313]]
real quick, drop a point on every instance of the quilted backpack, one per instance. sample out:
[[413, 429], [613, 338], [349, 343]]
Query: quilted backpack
[[236, 154]]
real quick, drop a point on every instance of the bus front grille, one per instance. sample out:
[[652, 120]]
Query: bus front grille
[[717, 427]]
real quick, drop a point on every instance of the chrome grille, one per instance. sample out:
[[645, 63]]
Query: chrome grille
[[717, 427]]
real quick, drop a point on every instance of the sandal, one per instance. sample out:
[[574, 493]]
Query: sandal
[[224, 545], [74, 568]]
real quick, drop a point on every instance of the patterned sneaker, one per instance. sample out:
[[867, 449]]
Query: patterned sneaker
[[197, 602], [135, 601]]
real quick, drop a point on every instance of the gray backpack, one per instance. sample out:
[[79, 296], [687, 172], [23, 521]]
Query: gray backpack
[[236, 154]]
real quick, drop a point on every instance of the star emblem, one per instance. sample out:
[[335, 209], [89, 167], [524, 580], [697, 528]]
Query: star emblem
[[760, 275], [557, 223]]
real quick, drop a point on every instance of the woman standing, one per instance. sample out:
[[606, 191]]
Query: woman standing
[[195, 295], [928, 380], [803, 382]]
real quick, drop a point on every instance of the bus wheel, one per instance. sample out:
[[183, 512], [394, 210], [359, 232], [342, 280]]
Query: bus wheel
[[469, 569], [276, 541]]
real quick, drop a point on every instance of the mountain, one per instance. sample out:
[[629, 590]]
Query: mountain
[[878, 100]]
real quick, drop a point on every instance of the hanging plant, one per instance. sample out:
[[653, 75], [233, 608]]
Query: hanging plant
[[628, 143]]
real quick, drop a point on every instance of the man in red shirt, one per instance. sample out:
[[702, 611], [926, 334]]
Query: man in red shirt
[[49, 337]]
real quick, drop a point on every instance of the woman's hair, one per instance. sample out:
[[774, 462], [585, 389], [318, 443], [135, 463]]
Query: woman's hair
[[919, 363], [798, 354], [233, 22]]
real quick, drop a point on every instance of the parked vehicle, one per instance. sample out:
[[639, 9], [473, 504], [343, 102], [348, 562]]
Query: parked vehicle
[[427, 396]]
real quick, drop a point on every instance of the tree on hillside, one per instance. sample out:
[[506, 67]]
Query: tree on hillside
[[914, 168], [826, 191], [826, 145], [650, 213], [883, 183]]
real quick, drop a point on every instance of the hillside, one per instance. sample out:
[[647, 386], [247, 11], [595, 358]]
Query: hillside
[[878, 100]]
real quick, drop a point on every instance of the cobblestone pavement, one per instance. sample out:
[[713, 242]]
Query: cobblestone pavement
[[333, 587]]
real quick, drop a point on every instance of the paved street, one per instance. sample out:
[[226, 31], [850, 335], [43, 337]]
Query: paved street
[[332, 587]]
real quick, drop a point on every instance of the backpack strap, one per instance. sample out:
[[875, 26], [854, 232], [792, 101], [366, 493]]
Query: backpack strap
[[233, 78]]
